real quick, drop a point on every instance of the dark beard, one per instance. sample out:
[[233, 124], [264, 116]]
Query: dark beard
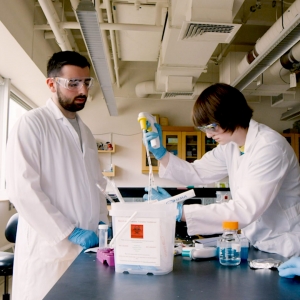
[[70, 106]]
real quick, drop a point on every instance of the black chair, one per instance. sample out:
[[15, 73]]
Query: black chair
[[6, 258]]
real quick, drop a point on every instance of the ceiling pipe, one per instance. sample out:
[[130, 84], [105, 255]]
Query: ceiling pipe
[[105, 26], [53, 20], [281, 37], [113, 42], [143, 89], [264, 42]]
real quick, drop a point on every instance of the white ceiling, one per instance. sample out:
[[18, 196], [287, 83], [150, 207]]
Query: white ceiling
[[149, 48]]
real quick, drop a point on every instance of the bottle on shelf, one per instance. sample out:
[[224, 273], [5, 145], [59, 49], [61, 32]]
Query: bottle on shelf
[[229, 244]]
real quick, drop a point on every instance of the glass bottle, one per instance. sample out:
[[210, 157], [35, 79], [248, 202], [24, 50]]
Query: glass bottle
[[230, 245], [103, 229]]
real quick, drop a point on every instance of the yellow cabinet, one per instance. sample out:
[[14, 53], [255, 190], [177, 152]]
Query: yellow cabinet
[[294, 140], [208, 144], [192, 145], [172, 142], [182, 141]]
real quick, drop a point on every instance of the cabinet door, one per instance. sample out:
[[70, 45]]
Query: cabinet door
[[191, 146], [293, 139], [172, 142], [208, 144], [290, 137], [145, 162]]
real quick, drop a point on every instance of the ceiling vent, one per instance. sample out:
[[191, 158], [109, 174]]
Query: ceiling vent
[[284, 100], [291, 114], [212, 32], [178, 95]]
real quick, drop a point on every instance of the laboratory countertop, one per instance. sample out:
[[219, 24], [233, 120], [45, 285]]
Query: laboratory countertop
[[89, 279]]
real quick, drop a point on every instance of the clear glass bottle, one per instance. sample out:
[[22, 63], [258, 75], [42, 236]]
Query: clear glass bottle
[[230, 245], [103, 230]]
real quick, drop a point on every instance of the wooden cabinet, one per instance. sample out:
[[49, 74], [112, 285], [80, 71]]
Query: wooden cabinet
[[182, 141], [192, 145], [294, 140]]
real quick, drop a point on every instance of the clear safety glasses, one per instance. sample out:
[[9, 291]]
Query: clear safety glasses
[[208, 128], [74, 84]]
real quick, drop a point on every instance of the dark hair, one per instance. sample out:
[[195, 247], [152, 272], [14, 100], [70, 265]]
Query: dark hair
[[224, 105], [62, 58]]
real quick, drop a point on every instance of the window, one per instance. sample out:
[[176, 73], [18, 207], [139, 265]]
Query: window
[[16, 108], [11, 108]]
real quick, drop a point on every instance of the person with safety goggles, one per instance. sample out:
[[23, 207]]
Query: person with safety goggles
[[261, 166], [52, 172]]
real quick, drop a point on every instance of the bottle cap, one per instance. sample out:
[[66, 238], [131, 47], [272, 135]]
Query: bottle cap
[[102, 226], [233, 225]]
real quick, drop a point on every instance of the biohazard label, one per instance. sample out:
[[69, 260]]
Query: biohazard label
[[137, 231], [139, 242]]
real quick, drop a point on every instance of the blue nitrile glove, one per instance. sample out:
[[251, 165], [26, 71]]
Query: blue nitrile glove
[[179, 211], [290, 268], [160, 152], [85, 238], [159, 194]]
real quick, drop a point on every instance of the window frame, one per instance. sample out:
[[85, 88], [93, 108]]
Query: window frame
[[6, 95]]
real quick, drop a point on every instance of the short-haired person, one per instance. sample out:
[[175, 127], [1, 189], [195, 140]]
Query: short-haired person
[[52, 171], [263, 171]]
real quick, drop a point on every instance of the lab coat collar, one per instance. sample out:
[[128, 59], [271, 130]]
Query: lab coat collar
[[59, 115], [251, 134], [55, 109]]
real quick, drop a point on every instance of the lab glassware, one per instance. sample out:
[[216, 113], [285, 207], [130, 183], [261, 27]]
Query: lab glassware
[[103, 230], [230, 245]]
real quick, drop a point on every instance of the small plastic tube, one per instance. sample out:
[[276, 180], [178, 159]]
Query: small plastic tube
[[103, 231]]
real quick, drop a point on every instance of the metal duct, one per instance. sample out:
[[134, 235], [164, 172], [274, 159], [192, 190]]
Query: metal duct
[[89, 23], [143, 89], [270, 47], [291, 114]]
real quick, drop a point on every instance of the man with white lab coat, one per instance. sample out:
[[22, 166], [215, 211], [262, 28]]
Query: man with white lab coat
[[263, 171], [52, 171]]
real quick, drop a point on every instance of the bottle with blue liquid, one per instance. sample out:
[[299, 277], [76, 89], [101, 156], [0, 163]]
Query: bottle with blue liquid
[[230, 245]]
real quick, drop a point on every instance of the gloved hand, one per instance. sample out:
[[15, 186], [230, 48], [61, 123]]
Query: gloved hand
[[159, 194], [160, 152], [85, 238], [179, 211], [290, 268]]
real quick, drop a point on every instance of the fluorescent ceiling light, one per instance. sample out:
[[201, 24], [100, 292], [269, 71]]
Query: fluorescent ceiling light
[[89, 23]]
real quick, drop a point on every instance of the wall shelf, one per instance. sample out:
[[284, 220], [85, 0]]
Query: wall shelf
[[108, 151], [110, 173]]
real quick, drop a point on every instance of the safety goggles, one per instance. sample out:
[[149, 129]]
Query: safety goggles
[[74, 84], [208, 128]]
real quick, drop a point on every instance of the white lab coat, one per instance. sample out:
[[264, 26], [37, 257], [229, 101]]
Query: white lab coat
[[52, 183], [265, 188]]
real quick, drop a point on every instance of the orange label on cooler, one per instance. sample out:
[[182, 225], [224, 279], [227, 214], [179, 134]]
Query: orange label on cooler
[[137, 231]]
